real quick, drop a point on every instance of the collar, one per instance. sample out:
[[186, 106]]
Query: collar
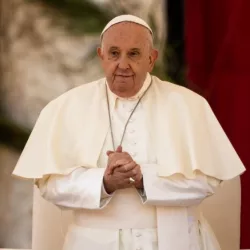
[[113, 97]]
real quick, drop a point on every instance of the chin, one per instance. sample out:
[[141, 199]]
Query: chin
[[122, 88], [123, 80]]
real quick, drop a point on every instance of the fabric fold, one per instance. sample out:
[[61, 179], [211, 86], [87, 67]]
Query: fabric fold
[[186, 135]]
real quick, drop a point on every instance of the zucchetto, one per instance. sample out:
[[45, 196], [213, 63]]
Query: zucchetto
[[126, 18]]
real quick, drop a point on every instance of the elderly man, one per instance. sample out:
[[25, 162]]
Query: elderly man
[[131, 155]]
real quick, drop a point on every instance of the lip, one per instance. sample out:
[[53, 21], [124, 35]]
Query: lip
[[124, 75]]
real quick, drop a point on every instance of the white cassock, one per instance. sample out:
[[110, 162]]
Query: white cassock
[[178, 168]]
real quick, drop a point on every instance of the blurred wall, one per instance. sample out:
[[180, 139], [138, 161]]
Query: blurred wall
[[15, 204]]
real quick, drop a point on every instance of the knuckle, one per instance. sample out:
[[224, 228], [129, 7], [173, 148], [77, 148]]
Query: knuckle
[[111, 156]]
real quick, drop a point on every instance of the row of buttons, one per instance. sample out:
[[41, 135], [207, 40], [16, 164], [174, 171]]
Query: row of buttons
[[132, 131], [130, 137], [138, 235]]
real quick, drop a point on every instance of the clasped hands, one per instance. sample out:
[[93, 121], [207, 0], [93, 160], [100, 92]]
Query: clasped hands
[[121, 167]]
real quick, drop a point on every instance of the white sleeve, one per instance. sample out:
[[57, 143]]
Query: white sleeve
[[81, 189], [176, 190]]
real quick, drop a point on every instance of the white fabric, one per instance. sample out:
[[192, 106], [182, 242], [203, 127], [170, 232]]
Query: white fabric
[[80, 238], [62, 138], [80, 189], [121, 212], [136, 140], [126, 18], [176, 191], [104, 193], [123, 215], [182, 132]]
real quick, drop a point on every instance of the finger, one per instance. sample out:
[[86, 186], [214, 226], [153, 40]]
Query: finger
[[120, 155], [138, 177], [126, 154], [126, 163], [135, 173], [128, 182], [116, 159], [126, 166], [131, 173], [138, 185], [116, 155], [112, 168], [119, 149], [116, 165], [109, 152]]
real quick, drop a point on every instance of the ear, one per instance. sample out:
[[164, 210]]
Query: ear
[[99, 52], [152, 59]]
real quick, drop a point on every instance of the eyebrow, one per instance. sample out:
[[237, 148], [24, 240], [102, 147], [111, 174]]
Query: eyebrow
[[135, 49], [115, 47]]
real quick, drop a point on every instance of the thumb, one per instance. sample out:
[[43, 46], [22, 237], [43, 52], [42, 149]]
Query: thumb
[[119, 149]]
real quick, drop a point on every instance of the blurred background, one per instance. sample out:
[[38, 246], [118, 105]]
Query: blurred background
[[49, 46]]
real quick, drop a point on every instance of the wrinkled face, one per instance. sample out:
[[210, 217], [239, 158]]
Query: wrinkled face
[[127, 55]]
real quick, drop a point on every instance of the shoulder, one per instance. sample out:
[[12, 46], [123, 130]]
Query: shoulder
[[176, 92], [182, 101], [84, 93]]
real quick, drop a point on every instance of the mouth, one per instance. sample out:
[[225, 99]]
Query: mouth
[[125, 76]]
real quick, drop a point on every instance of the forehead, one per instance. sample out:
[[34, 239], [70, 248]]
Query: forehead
[[126, 35]]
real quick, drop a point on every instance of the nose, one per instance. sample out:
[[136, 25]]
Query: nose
[[123, 63]]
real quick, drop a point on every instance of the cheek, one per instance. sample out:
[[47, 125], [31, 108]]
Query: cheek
[[109, 66], [136, 64], [140, 66]]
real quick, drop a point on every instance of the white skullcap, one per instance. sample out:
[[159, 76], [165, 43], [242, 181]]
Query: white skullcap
[[126, 18]]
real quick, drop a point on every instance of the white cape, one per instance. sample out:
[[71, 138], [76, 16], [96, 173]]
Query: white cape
[[71, 131], [186, 136]]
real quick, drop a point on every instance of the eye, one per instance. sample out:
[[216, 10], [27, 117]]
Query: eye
[[134, 53], [114, 53]]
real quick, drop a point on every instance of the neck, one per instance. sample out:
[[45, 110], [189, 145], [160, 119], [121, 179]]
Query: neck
[[126, 94], [132, 95]]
